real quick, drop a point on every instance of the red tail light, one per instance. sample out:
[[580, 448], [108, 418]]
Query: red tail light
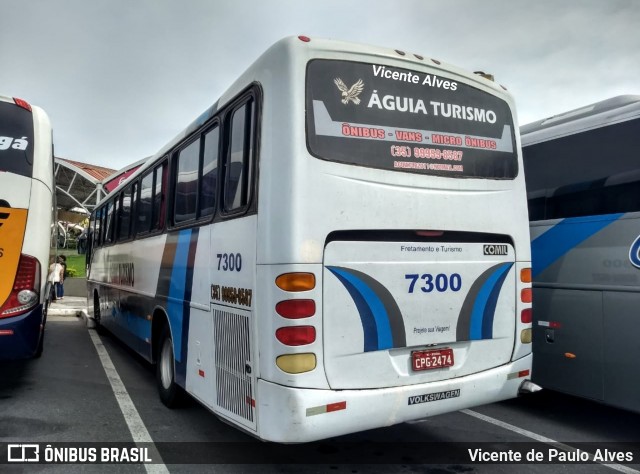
[[526, 316], [296, 309], [25, 293], [296, 335], [22, 103]]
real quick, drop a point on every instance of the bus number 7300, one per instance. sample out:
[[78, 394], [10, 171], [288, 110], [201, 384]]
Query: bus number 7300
[[439, 282]]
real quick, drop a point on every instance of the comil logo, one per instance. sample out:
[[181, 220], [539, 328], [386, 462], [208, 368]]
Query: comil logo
[[495, 249], [350, 93], [23, 453]]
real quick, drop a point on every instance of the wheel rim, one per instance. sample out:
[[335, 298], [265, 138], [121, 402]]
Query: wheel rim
[[166, 363]]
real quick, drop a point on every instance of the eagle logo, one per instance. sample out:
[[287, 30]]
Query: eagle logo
[[349, 93]]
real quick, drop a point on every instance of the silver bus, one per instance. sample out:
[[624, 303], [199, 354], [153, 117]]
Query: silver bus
[[583, 185], [339, 243]]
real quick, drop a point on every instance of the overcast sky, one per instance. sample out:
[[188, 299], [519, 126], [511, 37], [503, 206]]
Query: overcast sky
[[120, 78]]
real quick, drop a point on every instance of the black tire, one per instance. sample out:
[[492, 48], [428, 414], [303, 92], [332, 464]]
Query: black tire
[[40, 347], [170, 392], [96, 313]]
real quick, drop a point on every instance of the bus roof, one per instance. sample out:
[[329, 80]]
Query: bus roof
[[616, 109]]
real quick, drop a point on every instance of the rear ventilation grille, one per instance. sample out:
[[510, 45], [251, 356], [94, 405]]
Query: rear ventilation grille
[[232, 351]]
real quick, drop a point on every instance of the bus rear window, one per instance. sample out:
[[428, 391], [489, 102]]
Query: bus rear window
[[397, 119], [16, 139]]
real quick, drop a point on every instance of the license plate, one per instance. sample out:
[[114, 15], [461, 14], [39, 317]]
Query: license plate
[[432, 359]]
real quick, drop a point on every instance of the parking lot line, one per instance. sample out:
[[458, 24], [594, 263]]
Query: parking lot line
[[135, 424], [544, 439]]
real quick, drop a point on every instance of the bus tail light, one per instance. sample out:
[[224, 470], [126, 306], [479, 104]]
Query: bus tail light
[[22, 103], [526, 314], [296, 309], [296, 363], [25, 292], [296, 335], [296, 281]]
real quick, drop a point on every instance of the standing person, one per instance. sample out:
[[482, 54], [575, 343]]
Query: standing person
[[62, 260], [82, 241], [55, 270]]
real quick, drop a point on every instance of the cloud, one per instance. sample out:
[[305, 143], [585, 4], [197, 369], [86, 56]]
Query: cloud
[[120, 79]]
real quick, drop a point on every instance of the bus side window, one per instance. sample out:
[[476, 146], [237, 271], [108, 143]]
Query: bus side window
[[237, 169], [115, 217], [186, 183], [124, 224], [209, 181], [159, 196], [145, 209], [91, 230], [108, 227], [97, 236], [595, 187], [134, 206]]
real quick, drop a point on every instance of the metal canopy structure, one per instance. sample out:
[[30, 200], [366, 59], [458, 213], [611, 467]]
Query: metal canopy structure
[[79, 185]]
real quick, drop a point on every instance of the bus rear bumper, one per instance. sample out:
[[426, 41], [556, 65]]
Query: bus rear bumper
[[19, 336], [296, 415]]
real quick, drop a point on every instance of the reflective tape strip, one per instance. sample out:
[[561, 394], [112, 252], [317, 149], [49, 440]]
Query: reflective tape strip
[[517, 375], [550, 324], [326, 408]]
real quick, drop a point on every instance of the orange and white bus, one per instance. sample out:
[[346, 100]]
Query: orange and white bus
[[27, 197]]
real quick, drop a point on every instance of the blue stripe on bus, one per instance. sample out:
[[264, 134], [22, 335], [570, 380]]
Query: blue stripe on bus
[[366, 316], [375, 308], [139, 326], [177, 289], [492, 302], [484, 307], [564, 236]]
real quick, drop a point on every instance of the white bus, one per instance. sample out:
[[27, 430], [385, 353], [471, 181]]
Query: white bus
[[583, 175], [27, 194], [339, 243]]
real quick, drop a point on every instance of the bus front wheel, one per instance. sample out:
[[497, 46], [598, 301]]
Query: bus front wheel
[[170, 392]]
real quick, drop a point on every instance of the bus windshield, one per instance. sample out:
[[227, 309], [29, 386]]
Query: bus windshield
[[16, 138], [397, 119]]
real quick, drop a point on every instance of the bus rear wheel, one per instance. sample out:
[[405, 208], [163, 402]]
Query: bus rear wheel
[[171, 393], [40, 347], [96, 312]]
